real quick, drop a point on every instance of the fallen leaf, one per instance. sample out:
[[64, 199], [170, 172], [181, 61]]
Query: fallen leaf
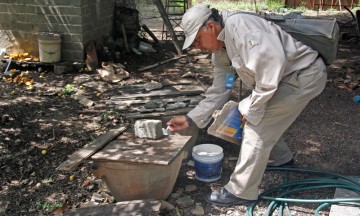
[[62, 209]]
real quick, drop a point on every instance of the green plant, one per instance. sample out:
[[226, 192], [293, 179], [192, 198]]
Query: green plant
[[274, 5], [48, 181], [269, 5], [109, 115], [69, 88], [47, 207]]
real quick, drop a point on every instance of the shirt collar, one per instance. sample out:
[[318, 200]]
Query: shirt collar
[[221, 35]]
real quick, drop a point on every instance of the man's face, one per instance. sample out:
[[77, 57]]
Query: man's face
[[206, 39]]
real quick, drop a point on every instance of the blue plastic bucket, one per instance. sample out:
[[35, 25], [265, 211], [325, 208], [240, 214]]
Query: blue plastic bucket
[[208, 162]]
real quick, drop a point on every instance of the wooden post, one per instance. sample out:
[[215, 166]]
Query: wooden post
[[168, 25], [150, 33]]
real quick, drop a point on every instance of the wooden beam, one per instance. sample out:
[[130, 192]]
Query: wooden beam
[[157, 94], [168, 25], [168, 100], [160, 63], [159, 114], [85, 152], [150, 33], [136, 207]]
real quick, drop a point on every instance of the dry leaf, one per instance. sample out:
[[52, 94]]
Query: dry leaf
[[62, 209], [87, 183]]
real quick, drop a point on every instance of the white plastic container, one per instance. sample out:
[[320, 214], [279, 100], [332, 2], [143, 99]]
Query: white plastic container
[[146, 48], [2, 52], [208, 162], [49, 47]]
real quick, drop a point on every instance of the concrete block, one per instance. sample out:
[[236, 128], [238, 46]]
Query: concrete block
[[61, 68], [148, 128]]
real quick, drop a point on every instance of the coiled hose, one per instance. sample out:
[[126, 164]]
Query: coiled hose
[[279, 195]]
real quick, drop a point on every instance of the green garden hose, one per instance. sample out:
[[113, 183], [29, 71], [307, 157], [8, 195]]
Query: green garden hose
[[278, 196]]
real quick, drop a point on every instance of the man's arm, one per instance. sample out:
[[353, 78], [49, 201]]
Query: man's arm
[[216, 95]]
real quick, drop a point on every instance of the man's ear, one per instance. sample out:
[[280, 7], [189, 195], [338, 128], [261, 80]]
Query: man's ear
[[210, 25]]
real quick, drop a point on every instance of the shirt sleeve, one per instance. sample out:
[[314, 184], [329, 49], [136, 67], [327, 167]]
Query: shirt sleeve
[[262, 53], [216, 95]]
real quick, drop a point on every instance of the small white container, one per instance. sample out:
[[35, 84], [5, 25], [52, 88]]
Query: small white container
[[208, 162], [146, 48]]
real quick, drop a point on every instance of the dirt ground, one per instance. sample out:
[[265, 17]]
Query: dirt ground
[[324, 137]]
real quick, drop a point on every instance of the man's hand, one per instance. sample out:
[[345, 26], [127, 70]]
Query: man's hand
[[244, 121], [178, 123]]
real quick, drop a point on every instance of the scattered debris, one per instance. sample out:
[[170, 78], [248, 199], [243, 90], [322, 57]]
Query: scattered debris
[[83, 100], [111, 73]]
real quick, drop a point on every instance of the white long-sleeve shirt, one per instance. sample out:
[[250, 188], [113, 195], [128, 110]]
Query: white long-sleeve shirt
[[262, 54]]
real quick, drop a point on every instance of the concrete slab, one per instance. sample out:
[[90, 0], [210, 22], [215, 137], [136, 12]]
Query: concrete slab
[[347, 209]]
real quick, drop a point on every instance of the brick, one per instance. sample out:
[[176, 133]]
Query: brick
[[72, 45], [72, 37], [21, 9], [78, 55], [65, 19], [66, 10], [3, 8], [73, 56], [148, 128], [23, 26], [36, 18]]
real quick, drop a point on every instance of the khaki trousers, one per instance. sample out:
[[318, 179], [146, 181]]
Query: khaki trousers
[[262, 145]]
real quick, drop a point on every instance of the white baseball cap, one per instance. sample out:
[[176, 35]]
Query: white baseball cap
[[192, 20]]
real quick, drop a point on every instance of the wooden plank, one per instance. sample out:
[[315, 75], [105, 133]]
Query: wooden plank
[[159, 114], [348, 209], [127, 148], [158, 94], [169, 100], [137, 207], [142, 86], [85, 152], [160, 63]]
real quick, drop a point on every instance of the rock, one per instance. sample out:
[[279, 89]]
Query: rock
[[97, 197], [198, 210], [18, 142], [185, 201], [167, 206], [3, 206], [155, 104], [152, 86], [194, 102], [175, 196], [191, 163], [89, 204], [190, 188], [5, 118], [144, 110], [148, 128], [176, 105]]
